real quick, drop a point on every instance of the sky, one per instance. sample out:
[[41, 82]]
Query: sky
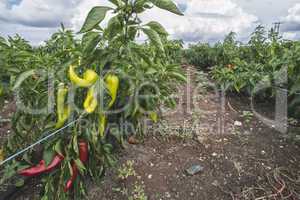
[[203, 20]]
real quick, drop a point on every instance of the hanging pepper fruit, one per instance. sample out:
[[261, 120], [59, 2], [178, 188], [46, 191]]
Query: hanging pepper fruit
[[102, 124], [83, 151], [83, 156], [112, 83], [63, 112], [89, 77], [1, 155], [42, 168], [90, 103], [70, 182], [153, 116]]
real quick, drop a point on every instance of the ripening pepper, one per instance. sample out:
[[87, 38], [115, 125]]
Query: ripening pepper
[[90, 103], [42, 168], [89, 77], [83, 156], [102, 124], [112, 84], [63, 111], [70, 182]]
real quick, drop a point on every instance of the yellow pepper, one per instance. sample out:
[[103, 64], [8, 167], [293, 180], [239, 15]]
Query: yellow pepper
[[102, 124], [89, 77], [90, 103], [1, 155], [63, 112], [112, 83], [154, 117]]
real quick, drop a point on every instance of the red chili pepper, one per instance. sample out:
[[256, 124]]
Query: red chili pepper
[[42, 168], [83, 156], [72, 179], [83, 151]]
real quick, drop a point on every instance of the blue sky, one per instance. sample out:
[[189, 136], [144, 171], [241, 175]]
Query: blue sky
[[204, 20]]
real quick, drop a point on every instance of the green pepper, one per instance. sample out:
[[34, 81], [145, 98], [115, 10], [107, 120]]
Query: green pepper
[[63, 112], [102, 124]]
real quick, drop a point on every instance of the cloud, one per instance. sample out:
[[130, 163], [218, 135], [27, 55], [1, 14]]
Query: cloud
[[205, 20], [292, 20], [38, 13], [290, 35]]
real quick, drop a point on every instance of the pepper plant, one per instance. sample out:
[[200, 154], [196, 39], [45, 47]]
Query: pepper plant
[[102, 83]]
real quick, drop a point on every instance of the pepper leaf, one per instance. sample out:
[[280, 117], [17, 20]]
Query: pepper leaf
[[95, 16], [20, 182], [154, 38], [80, 166], [48, 156], [157, 27], [57, 147], [22, 78], [168, 5], [117, 2]]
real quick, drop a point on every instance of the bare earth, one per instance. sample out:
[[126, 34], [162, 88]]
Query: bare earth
[[250, 161], [243, 160]]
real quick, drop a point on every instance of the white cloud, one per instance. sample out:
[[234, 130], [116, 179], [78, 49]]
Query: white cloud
[[38, 13], [291, 23], [289, 35], [205, 20], [294, 14], [292, 20]]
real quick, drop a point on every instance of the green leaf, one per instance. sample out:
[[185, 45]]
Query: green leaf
[[89, 41], [22, 78], [20, 182], [157, 27], [139, 6], [117, 2], [154, 38], [80, 166], [117, 134], [168, 5], [75, 145], [113, 27], [95, 16], [57, 147], [179, 76], [48, 156], [132, 30]]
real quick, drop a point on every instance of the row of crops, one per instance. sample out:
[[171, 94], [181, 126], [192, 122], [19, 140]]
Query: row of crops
[[85, 87], [88, 85], [240, 67]]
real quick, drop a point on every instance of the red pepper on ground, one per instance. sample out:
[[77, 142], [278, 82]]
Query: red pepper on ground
[[42, 168], [83, 156]]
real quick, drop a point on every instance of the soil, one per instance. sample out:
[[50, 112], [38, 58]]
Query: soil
[[241, 157], [243, 160]]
